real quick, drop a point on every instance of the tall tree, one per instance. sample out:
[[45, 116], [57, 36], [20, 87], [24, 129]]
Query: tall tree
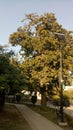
[[40, 41]]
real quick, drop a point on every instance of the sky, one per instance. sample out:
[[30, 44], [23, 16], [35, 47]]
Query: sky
[[13, 11]]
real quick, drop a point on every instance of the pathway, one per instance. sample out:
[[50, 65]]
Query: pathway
[[35, 120]]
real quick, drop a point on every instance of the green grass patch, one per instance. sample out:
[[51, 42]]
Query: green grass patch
[[11, 119]]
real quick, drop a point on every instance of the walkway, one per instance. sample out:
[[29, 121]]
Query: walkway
[[69, 111], [35, 120]]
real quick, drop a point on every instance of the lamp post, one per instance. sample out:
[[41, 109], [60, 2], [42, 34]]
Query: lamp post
[[61, 80], [61, 88], [61, 83]]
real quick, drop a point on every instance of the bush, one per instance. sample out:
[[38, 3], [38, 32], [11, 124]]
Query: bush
[[66, 102], [18, 97], [34, 99]]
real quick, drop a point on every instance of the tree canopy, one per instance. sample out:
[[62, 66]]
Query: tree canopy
[[10, 74], [40, 39]]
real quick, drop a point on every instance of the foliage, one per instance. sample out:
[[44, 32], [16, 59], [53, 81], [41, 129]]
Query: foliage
[[40, 42], [11, 79], [65, 101], [69, 93]]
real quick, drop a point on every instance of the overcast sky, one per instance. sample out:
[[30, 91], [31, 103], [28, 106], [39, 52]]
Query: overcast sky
[[13, 11]]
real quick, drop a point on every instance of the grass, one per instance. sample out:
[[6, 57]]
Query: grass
[[11, 119], [50, 114]]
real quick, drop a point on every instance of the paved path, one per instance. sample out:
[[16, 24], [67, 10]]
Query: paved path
[[35, 120], [69, 111]]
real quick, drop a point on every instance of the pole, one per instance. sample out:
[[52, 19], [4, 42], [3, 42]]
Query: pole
[[61, 88], [61, 80]]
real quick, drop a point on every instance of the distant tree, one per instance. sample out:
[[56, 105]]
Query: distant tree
[[40, 44], [4, 67], [11, 78]]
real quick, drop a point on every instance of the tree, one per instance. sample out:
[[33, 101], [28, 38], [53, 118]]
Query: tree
[[11, 78], [41, 47], [4, 67]]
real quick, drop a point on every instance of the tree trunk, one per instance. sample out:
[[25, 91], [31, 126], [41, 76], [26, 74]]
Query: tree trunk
[[43, 99]]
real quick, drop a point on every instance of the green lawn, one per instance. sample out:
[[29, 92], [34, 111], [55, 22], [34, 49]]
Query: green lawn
[[11, 119]]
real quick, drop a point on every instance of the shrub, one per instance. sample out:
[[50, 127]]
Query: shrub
[[34, 99], [18, 97], [66, 102]]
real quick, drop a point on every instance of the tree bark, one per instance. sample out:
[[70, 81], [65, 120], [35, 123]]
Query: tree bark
[[43, 99]]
